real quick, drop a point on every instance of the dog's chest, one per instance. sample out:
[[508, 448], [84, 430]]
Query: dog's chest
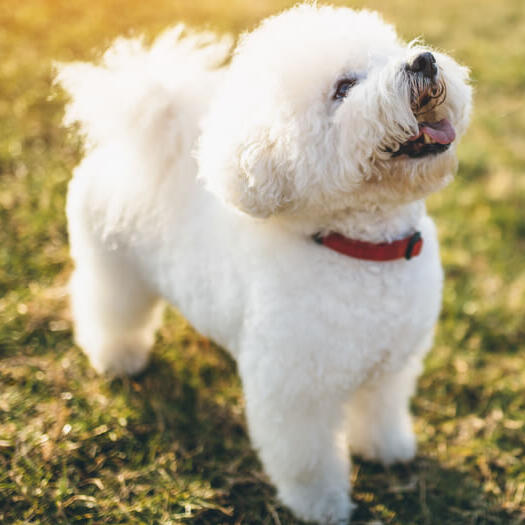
[[384, 312], [352, 319]]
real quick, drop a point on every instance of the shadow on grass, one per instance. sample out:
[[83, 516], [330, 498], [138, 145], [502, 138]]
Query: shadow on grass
[[424, 492], [183, 410], [177, 412], [177, 404], [171, 446]]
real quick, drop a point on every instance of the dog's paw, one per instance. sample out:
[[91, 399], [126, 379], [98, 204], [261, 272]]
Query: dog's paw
[[330, 506], [119, 361], [392, 446]]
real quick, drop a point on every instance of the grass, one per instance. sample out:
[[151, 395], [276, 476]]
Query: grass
[[171, 445]]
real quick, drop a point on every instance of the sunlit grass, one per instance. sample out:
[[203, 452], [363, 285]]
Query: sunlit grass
[[171, 445]]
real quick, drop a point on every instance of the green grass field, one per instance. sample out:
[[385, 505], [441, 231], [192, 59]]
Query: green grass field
[[171, 445]]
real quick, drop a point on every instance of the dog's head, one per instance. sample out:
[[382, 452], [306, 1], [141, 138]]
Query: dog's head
[[324, 109]]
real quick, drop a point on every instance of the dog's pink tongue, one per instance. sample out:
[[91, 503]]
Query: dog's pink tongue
[[441, 132]]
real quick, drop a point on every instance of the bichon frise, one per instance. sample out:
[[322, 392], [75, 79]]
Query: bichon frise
[[278, 201]]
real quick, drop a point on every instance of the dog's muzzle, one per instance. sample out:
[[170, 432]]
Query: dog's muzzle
[[424, 64], [427, 92]]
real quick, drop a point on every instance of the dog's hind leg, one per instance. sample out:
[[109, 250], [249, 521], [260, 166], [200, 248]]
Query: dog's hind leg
[[115, 313], [115, 316]]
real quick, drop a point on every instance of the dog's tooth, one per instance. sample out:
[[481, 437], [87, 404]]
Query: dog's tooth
[[427, 139]]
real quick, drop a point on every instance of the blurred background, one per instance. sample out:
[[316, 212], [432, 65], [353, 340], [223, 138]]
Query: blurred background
[[171, 445]]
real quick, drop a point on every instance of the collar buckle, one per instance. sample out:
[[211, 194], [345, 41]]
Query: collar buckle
[[414, 240]]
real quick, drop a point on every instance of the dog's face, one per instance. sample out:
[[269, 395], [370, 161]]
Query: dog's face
[[325, 109]]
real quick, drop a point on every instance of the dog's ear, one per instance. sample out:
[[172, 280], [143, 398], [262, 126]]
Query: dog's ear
[[246, 167]]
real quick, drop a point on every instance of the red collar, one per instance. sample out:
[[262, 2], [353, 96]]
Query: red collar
[[385, 251]]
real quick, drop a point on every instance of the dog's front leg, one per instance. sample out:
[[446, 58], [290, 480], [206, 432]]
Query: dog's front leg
[[379, 422], [298, 429]]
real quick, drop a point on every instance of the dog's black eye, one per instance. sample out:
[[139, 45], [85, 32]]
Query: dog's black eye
[[343, 87]]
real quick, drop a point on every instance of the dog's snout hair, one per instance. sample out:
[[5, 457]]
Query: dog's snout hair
[[428, 89]]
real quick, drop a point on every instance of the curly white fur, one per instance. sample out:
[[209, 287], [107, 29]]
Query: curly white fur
[[328, 347]]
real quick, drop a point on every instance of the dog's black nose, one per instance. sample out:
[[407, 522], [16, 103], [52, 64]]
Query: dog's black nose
[[424, 63]]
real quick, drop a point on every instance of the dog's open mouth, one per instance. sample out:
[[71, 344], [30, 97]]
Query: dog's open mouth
[[432, 138]]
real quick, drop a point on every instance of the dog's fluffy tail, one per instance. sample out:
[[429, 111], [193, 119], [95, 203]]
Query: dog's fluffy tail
[[137, 92]]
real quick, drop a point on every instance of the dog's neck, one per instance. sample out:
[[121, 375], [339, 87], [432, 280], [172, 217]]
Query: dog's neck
[[385, 224]]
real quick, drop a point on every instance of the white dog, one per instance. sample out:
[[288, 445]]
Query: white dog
[[275, 201]]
